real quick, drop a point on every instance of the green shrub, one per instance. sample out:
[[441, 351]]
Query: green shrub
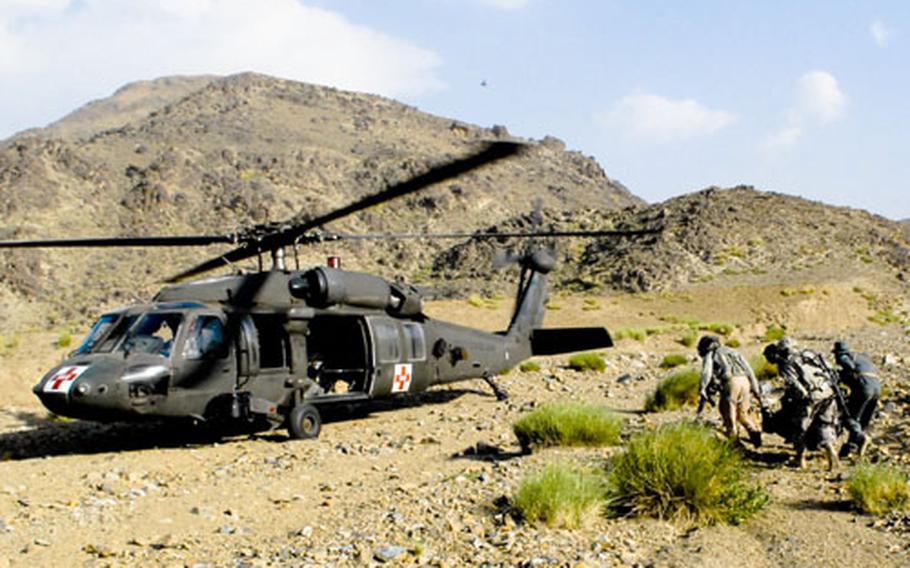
[[529, 367], [764, 371], [720, 328], [733, 343], [475, 301], [673, 360], [689, 339], [683, 472], [587, 362], [65, 339], [560, 496], [774, 332], [675, 391], [568, 424], [878, 489]]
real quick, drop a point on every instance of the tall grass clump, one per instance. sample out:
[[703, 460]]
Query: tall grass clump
[[65, 339], [683, 472], [568, 424], [878, 489], [673, 360], [774, 332], [587, 362], [560, 495], [689, 339], [764, 371], [675, 391]]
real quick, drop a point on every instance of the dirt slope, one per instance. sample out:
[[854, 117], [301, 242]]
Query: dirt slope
[[405, 481]]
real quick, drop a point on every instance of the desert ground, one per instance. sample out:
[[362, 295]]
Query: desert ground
[[425, 479]]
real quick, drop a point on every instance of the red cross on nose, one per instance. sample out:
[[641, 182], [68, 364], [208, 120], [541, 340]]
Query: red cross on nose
[[69, 374]]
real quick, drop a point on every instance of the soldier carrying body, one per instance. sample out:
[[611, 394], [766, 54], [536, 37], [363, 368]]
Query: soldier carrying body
[[859, 374], [809, 416], [727, 371]]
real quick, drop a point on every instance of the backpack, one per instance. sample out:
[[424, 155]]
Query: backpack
[[813, 373]]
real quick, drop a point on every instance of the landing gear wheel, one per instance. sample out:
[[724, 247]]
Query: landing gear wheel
[[304, 422]]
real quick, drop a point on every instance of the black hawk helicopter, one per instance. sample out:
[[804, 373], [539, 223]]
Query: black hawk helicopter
[[277, 345]]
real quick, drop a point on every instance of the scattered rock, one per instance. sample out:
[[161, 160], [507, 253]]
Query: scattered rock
[[389, 553]]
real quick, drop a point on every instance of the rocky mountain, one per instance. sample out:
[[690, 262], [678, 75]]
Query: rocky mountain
[[738, 234], [201, 155]]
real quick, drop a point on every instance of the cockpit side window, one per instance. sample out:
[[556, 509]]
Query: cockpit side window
[[116, 334], [154, 333], [95, 334], [206, 339]]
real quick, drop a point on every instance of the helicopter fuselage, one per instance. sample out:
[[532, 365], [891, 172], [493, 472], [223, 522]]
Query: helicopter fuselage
[[245, 347]]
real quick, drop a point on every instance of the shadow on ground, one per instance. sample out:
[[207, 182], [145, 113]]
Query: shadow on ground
[[45, 436]]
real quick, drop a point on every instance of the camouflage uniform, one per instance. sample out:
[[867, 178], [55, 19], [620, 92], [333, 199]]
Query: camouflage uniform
[[809, 415], [726, 370], [859, 375]]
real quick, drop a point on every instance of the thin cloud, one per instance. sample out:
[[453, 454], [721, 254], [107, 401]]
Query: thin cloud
[[819, 101], [86, 48], [820, 98], [880, 33], [655, 119], [784, 139]]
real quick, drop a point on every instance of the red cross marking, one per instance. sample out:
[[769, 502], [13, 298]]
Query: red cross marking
[[402, 379], [62, 377]]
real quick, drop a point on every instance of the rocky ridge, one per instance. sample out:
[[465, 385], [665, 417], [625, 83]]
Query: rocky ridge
[[736, 234], [236, 151]]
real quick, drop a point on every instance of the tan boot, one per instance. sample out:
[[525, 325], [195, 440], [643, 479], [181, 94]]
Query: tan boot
[[833, 462]]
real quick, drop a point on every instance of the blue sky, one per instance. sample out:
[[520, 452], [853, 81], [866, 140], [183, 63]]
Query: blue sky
[[807, 98]]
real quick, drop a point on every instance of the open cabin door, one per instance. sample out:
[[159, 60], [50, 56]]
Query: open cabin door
[[338, 353]]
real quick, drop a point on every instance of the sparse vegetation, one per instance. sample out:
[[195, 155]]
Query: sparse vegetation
[[475, 300], [720, 328], [587, 362], [673, 360], [65, 339], [764, 371], [879, 488], [774, 332], [590, 305], [561, 495], [683, 472], [529, 367], [568, 424], [733, 343], [689, 339], [675, 391]]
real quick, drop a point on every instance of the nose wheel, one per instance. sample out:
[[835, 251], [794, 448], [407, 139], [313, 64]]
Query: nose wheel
[[304, 422]]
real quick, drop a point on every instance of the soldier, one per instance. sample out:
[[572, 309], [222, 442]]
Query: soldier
[[726, 370], [858, 373], [809, 415]]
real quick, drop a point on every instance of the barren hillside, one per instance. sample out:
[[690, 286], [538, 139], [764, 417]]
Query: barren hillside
[[224, 153]]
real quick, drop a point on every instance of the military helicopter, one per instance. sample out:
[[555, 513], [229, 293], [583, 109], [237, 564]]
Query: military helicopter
[[278, 346]]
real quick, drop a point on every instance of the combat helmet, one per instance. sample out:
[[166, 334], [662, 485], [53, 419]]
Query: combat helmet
[[841, 346], [707, 344]]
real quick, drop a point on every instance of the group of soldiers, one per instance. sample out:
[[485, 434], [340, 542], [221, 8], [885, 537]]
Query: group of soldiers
[[813, 411]]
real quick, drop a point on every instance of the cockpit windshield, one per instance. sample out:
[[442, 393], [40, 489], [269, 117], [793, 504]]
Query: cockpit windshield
[[96, 333], [154, 333]]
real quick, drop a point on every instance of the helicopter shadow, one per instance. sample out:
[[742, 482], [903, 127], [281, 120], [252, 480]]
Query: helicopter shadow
[[46, 437]]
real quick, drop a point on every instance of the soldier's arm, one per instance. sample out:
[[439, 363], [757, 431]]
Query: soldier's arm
[[753, 380], [789, 374], [707, 373]]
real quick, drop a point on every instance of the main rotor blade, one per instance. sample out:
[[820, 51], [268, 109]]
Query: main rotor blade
[[516, 234], [492, 152], [185, 241]]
